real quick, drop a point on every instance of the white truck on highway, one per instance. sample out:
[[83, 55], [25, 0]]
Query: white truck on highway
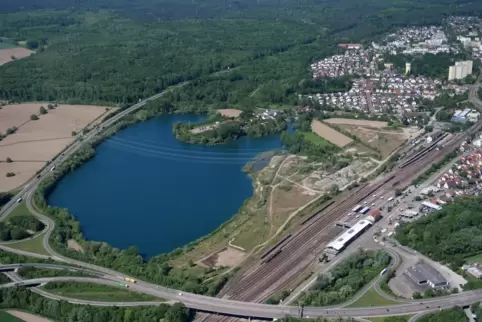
[[52, 169]]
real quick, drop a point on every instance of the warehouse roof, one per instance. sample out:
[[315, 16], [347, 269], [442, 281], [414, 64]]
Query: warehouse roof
[[424, 273], [341, 241]]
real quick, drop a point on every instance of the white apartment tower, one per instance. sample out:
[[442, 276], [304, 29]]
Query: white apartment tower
[[451, 73], [460, 70], [408, 68]]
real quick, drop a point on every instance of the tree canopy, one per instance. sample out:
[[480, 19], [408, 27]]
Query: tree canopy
[[448, 235]]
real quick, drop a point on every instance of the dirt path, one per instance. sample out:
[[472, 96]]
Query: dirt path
[[298, 184], [273, 188]]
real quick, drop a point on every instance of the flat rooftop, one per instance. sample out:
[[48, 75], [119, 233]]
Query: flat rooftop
[[424, 273], [341, 241]]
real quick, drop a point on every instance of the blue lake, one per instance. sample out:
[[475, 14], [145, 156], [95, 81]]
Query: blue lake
[[146, 189]]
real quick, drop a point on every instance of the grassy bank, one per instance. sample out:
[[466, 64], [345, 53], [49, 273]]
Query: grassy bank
[[95, 292], [32, 272], [372, 298], [32, 245], [400, 318]]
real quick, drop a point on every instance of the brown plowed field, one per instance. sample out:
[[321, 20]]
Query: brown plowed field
[[36, 142], [329, 134], [18, 53], [376, 124], [229, 112]]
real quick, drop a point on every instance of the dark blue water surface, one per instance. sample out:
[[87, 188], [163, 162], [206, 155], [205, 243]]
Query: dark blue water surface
[[146, 189]]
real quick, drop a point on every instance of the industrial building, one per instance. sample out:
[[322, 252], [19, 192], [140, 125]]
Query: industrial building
[[374, 216], [424, 274], [343, 240], [466, 115], [409, 213], [460, 70], [475, 271], [428, 190], [429, 205]]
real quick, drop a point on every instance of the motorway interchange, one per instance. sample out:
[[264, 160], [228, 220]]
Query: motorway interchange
[[233, 306]]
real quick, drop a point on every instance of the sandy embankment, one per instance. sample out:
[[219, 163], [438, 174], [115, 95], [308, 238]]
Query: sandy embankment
[[27, 317]]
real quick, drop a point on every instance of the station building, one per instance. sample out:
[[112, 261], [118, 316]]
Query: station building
[[343, 240]]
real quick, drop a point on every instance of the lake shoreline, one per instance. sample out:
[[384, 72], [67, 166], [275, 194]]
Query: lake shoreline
[[252, 160]]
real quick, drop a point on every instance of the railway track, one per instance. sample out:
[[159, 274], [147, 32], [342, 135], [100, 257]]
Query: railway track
[[298, 251]]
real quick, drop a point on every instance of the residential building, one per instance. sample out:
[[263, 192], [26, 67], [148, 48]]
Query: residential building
[[408, 68], [451, 73], [460, 70]]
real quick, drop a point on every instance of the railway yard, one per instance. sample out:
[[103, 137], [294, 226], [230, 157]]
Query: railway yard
[[282, 264]]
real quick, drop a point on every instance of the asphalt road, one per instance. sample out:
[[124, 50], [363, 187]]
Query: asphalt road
[[205, 303], [200, 302]]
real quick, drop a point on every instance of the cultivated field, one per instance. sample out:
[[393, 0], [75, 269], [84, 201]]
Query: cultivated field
[[329, 134], [36, 142], [375, 124], [19, 53], [229, 112]]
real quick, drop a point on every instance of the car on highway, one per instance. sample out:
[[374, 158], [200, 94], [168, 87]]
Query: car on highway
[[38, 176], [19, 200], [180, 293]]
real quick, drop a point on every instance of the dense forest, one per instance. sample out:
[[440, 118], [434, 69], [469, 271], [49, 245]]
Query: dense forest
[[248, 53], [449, 235], [346, 279], [62, 311]]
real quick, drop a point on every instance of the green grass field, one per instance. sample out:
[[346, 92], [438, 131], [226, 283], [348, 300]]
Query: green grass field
[[385, 318], [315, 139], [7, 317], [95, 292], [474, 259], [21, 209], [34, 245], [371, 297]]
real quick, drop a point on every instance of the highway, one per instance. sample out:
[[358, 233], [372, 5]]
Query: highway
[[194, 301], [255, 310]]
